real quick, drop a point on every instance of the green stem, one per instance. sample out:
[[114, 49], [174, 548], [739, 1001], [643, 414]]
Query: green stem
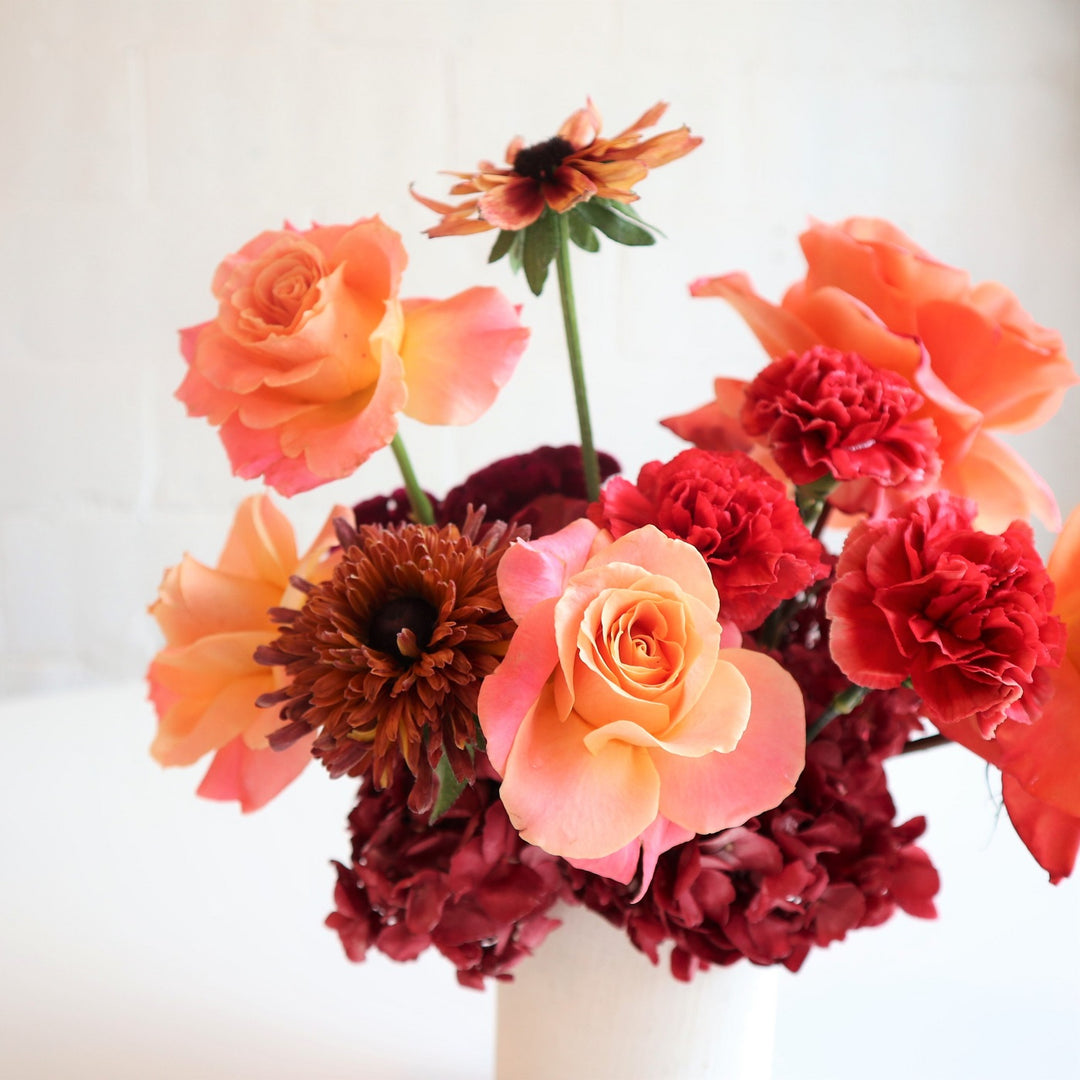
[[590, 463], [421, 504], [841, 705]]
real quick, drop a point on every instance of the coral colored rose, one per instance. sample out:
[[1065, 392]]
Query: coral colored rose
[[313, 354], [205, 681], [738, 516], [1040, 762], [617, 722], [965, 615], [977, 358]]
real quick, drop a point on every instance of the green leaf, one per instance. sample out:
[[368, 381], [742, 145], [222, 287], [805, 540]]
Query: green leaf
[[541, 243], [450, 787], [503, 243], [628, 210], [582, 233], [517, 250], [615, 226]]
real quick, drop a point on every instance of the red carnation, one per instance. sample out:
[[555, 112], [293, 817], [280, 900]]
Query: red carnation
[[828, 412], [467, 884], [964, 614], [737, 515]]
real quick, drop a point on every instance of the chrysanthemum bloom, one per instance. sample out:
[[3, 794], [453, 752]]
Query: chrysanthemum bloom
[[205, 681], [313, 354], [965, 615], [619, 725], [830, 414], [569, 168], [739, 517], [979, 361], [466, 884], [1040, 762], [385, 659], [829, 859]]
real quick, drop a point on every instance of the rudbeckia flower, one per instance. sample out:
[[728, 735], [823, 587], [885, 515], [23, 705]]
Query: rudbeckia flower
[[573, 166]]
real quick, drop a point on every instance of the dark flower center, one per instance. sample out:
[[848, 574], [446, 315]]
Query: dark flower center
[[402, 613], [539, 162]]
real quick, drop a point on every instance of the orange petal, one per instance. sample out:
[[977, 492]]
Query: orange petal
[[1064, 569], [514, 204], [716, 426], [1004, 485], [1051, 835], [568, 187], [580, 129], [458, 354], [720, 791], [1014, 384], [261, 543], [253, 777], [778, 330], [571, 802]]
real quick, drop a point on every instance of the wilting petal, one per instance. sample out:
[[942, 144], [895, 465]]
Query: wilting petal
[[1051, 835], [566, 800], [253, 777], [514, 205], [458, 354]]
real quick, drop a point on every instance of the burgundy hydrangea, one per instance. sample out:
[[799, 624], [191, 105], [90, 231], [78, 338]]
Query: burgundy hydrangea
[[467, 884], [829, 859], [830, 412], [965, 615], [737, 515], [544, 489]]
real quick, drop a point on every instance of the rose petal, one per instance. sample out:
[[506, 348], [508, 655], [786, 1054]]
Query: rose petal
[[458, 353]]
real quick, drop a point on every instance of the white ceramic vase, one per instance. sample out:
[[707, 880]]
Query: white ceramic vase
[[589, 1006]]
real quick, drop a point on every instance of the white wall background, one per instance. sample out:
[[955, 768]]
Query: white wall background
[[142, 141]]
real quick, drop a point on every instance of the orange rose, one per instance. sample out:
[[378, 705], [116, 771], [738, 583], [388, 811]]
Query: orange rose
[[205, 681], [619, 725], [977, 358], [313, 355]]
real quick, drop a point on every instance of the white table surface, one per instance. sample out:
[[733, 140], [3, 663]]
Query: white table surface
[[147, 933]]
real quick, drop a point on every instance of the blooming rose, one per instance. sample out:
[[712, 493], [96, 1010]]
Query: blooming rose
[[205, 681], [737, 515], [1040, 762], [964, 614], [312, 354], [617, 722], [977, 358]]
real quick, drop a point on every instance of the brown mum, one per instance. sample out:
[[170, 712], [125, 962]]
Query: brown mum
[[386, 658]]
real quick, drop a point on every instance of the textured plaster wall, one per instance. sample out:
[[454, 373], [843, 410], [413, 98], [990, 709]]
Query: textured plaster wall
[[140, 142]]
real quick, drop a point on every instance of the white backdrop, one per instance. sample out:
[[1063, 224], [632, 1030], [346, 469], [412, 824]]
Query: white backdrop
[[142, 141]]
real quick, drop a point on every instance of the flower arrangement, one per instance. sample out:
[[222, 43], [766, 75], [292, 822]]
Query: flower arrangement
[[663, 698]]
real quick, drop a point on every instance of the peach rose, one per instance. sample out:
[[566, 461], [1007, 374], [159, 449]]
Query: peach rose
[[618, 723], [205, 681], [977, 358], [1040, 762], [313, 355]]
